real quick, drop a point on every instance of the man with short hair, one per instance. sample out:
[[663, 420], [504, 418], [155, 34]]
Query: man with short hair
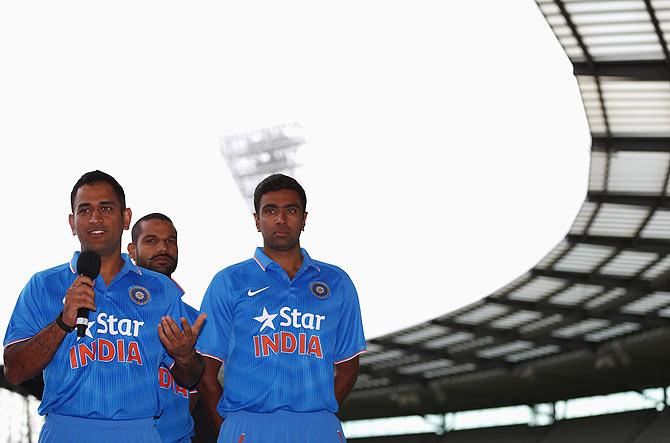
[[154, 246], [101, 386], [288, 328]]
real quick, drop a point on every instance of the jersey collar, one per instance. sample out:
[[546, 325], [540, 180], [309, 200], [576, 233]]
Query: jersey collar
[[264, 261], [127, 266]]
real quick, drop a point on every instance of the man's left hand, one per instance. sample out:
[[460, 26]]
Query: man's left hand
[[179, 342]]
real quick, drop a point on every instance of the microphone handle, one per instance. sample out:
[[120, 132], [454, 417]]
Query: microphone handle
[[82, 321]]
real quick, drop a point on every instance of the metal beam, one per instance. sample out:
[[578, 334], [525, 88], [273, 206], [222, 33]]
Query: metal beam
[[608, 281], [654, 70], [601, 142], [650, 201], [659, 246]]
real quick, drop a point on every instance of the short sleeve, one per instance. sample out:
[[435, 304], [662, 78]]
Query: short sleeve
[[214, 337], [28, 315], [350, 340]]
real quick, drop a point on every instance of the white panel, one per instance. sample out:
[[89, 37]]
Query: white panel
[[583, 218], [614, 331], [580, 328], [516, 319], [658, 226], [648, 303], [575, 294], [452, 370], [482, 314], [425, 366], [553, 255], [628, 263], [541, 324], [605, 298], [423, 333], [659, 268], [618, 220], [597, 172], [533, 353], [497, 351], [442, 342], [583, 258], [537, 289], [638, 172]]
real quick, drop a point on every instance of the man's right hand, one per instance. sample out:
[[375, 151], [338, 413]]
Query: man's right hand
[[79, 295]]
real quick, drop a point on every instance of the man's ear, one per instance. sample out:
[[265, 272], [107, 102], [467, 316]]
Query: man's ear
[[258, 222], [70, 220], [127, 216], [304, 221], [132, 251]]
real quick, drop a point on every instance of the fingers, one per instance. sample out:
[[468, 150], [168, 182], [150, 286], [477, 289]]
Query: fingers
[[198, 324], [79, 295]]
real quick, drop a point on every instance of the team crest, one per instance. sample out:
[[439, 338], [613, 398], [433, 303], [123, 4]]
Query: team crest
[[319, 290], [139, 295]]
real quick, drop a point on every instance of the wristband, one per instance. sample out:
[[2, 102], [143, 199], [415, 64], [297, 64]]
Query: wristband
[[61, 324]]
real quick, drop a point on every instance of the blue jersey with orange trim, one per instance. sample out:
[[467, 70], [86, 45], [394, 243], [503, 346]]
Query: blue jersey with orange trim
[[110, 373], [175, 423], [280, 338]]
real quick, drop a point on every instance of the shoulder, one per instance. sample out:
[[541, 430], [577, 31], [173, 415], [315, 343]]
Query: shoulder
[[332, 271], [158, 281], [237, 270], [57, 273]]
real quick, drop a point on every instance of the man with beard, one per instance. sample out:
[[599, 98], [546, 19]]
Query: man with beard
[[154, 247], [288, 328], [101, 386]]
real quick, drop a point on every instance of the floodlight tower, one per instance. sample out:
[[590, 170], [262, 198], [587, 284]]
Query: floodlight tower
[[252, 156]]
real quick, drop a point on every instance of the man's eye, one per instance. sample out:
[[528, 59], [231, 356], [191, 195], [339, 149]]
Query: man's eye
[[83, 210], [172, 241], [151, 241], [106, 208], [291, 210], [270, 210]]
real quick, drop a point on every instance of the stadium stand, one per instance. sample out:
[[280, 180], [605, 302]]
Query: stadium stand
[[593, 316], [646, 426]]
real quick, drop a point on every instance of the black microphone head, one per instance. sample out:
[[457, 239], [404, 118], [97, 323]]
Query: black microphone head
[[88, 264]]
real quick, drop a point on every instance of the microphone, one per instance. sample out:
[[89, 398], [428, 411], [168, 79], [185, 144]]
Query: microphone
[[88, 264]]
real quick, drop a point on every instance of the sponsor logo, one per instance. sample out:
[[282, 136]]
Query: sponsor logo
[[104, 350], [288, 342], [319, 290], [251, 293], [139, 295]]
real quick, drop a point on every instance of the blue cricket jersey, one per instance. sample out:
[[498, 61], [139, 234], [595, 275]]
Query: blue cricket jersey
[[110, 373], [175, 423], [280, 338]]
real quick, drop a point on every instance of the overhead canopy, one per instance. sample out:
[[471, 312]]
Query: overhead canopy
[[593, 316]]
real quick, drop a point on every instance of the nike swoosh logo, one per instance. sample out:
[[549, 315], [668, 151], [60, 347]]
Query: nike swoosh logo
[[251, 293]]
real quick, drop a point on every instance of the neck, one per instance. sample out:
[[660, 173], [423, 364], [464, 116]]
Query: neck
[[290, 261], [110, 265]]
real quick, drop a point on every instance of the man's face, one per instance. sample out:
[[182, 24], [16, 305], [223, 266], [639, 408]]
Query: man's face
[[98, 219], [156, 247], [280, 219]]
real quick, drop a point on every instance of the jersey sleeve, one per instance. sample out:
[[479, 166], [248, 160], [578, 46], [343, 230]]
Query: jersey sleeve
[[214, 338], [28, 317], [350, 340]]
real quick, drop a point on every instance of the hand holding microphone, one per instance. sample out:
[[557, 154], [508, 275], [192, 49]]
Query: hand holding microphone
[[80, 297]]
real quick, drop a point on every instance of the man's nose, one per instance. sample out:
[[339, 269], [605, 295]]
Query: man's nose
[[162, 245], [281, 217], [96, 215]]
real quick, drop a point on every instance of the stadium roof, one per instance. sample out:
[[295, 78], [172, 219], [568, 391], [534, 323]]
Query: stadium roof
[[591, 317]]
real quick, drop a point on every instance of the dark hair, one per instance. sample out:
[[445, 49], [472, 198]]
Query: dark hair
[[97, 177], [137, 229], [277, 182]]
